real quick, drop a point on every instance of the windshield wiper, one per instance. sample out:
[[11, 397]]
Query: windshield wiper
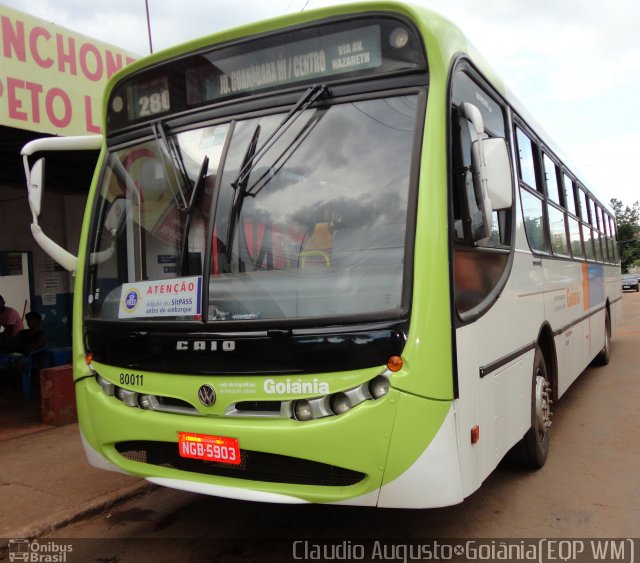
[[197, 187], [308, 98], [179, 170], [238, 197], [283, 157], [253, 155]]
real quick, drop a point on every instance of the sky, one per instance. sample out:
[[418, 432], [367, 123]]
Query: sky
[[574, 64]]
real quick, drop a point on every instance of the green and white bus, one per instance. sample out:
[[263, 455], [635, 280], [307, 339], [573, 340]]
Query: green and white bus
[[329, 258]]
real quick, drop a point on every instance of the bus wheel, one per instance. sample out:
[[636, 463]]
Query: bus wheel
[[533, 449], [602, 359]]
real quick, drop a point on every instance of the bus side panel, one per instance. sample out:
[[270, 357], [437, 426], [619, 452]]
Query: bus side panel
[[512, 391], [475, 401], [570, 353], [433, 480], [499, 404], [565, 296], [594, 276], [579, 344], [511, 325]]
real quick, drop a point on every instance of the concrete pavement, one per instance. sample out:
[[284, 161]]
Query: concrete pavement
[[46, 482]]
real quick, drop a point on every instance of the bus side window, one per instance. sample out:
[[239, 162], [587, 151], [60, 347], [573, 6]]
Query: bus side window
[[468, 216], [478, 261], [532, 192], [551, 178], [527, 161]]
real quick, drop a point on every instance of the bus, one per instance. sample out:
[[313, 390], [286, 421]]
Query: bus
[[329, 258]]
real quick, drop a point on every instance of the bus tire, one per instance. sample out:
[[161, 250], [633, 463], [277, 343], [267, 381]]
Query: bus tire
[[603, 357], [532, 451]]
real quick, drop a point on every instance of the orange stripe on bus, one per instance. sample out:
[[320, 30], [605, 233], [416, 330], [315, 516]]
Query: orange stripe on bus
[[585, 286]]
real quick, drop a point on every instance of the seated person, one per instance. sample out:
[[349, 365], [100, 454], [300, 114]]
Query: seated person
[[24, 342], [11, 324], [30, 338]]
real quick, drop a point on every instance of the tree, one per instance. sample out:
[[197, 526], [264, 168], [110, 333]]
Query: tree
[[628, 219]]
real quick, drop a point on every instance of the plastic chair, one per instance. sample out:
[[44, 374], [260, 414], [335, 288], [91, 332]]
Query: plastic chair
[[317, 246], [34, 359]]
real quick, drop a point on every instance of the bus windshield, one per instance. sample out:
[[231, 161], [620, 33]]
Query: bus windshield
[[316, 229]]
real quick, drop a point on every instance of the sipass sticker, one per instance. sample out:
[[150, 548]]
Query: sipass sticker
[[164, 298]]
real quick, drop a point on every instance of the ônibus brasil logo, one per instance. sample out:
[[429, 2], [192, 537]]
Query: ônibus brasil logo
[[131, 300]]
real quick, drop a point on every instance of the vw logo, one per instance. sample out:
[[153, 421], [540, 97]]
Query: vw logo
[[207, 395]]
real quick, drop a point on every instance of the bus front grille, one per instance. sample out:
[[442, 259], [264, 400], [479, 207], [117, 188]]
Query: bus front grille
[[255, 466]]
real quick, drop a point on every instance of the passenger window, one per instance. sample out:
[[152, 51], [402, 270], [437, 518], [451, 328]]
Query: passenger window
[[601, 220], [574, 238], [582, 204], [592, 220], [569, 196], [527, 163], [532, 210], [605, 248], [610, 246], [588, 243], [551, 177], [557, 231], [596, 242]]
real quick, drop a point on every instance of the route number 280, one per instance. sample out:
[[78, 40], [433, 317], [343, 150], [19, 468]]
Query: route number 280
[[157, 102]]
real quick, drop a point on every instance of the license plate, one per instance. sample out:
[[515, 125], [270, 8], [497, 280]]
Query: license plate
[[220, 449], [626, 287]]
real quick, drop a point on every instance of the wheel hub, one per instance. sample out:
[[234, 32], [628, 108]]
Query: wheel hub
[[543, 405]]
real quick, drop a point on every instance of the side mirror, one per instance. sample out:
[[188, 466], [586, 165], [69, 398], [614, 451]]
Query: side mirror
[[113, 222], [115, 216], [491, 168], [36, 186], [491, 159]]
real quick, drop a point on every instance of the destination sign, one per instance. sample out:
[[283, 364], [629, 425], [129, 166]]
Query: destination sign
[[315, 58], [340, 50]]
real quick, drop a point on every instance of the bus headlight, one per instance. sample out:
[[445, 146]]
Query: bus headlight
[[379, 387], [145, 402], [340, 403], [302, 410], [108, 387], [129, 398], [314, 408]]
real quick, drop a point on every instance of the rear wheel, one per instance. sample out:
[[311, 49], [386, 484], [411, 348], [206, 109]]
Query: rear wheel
[[602, 359], [532, 451]]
